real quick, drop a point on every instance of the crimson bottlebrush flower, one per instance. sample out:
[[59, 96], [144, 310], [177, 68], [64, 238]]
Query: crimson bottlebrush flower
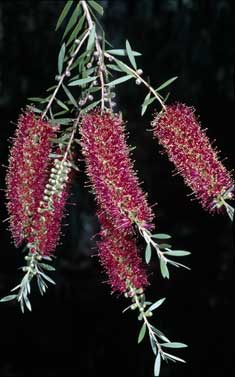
[[187, 146], [119, 256], [27, 172], [111, 170]]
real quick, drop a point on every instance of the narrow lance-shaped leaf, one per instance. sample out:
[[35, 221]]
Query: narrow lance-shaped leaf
[[47, 278], [61, 58], [91, 106], [130, 54], [91, 38], [8, 298], [120, 80], [166, 83], [159, 334], [47, 266], [82, 81], [114, 67], [61, 104], [164, 268], [157, 365], [122, 52], [156, 304], [177, 253], [161, 236], [72, 21], [97, 7], [76, 30], [153, 344], [148, 253], [70, 96], [142, 333], [124, 67], [64, 13], [174, 345], [174, 357], [144, 104]]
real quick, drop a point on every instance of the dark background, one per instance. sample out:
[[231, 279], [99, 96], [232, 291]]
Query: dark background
[[78, 328]]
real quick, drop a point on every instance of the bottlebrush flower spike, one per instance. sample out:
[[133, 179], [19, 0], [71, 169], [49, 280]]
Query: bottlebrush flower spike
[[119, 256], [111, 171], [27, 173], [187, 146]]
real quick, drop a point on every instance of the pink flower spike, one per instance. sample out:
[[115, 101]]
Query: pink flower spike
[[119, 256], [111, 171], [187, 146], [27, 173]]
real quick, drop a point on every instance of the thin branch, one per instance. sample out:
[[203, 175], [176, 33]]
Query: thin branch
[[135, 73], [99, 51], [67, 69]]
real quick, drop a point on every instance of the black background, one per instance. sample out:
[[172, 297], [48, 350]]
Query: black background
[[78, 328]]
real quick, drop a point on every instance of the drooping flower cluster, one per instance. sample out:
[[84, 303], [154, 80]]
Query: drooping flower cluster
[[37, 190], [27, 173], [187, 146], [119, 256], [111, 171]]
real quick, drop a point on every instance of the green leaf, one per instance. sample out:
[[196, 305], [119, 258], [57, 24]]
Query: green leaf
[[130, 54], [153, 344], [142, 333], [156, 304], [164, 245], [148, 253], [82, 81], [114, 67], [61, 58], [124, 67], [27, 303], [174, 357], [61, 121], [159, 334], [76, 30], [147, 102], [157, 365], [166, 83], [144, 105], [47, 267], [51, 88], [62, 112], [70, 96], [91, 39], [174, 345], [161, 236], [121, 52], [164, 269], [89, 107], [36, 99], [47, 278], [120, 80], [34, 109], [8, 298], [72, 21], [61, 104], [97, 7], [177, 253], [63, 14]]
